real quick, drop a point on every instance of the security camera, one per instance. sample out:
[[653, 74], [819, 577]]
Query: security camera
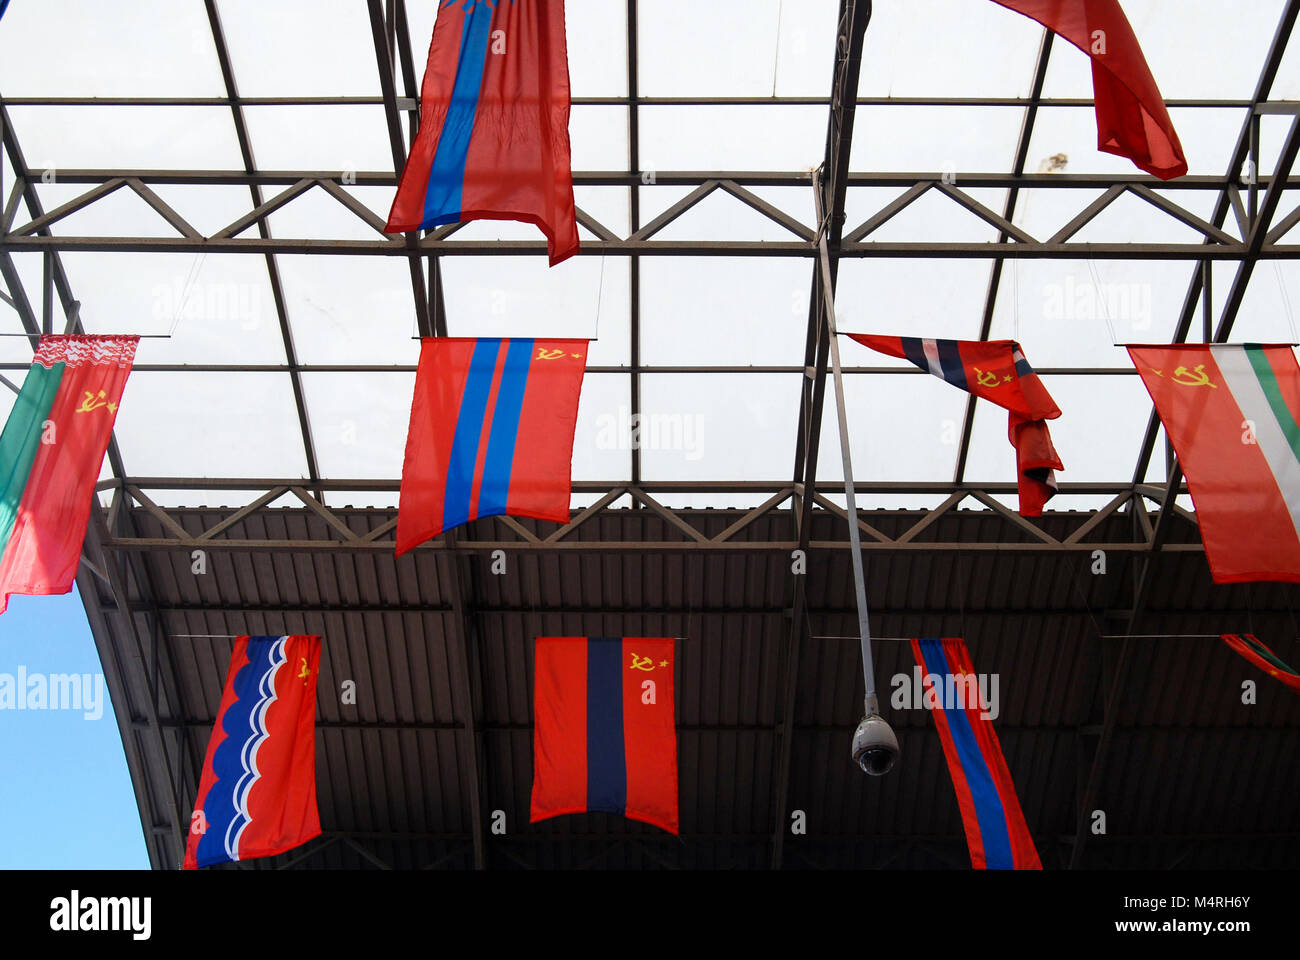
[[875, 748]]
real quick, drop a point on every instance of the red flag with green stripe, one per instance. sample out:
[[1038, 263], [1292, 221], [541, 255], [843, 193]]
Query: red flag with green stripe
[[1261, 656], [1232, 412], [50, 455]]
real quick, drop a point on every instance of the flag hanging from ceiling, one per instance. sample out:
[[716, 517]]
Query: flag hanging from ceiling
[[50, 453], [990, 810], [257, 793], [1231, 413], [491, 433], [604, 733], [997, 371], [493, 142], [1261, 656], [1132, 120]]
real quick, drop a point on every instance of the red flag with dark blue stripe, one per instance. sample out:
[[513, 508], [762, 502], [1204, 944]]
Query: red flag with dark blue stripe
[[604, 735], [491, 433], [990, 810], [997, 371], [493, 142], [257, 792]]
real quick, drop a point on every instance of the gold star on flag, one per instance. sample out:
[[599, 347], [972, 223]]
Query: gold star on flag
[[663, 663]]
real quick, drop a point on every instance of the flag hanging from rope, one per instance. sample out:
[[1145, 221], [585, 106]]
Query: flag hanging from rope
[[1261, 656], [257, 793], [1132, 119], [1232, 412], [604, 734], [491, 433], [50, 453], [997, 371], [493, 142], [995, 826]]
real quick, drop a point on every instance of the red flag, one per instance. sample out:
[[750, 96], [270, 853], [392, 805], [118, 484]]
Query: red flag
[[491, 433], [493, 142], [1261, 656], [1132, 120], [604, 735], [1232, 412], [50, 454], [257, 793], [997, 371]]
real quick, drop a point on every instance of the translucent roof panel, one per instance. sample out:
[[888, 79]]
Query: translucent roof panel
[[210, 425], [134, 52], [749, 311], [690, 429], [297, 48], [134, 137], [901, 426], [736, 48], [947, 48], [700, 306]]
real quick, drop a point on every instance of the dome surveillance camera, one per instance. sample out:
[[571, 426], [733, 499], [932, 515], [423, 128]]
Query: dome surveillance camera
[[875, 747]]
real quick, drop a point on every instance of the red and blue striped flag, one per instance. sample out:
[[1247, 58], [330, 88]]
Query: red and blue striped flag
[[257, 793], [990, 810], [997, 371], [491, 433], [604, 735], [493, 142]]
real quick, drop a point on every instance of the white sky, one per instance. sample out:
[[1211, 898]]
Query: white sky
[[694, 311]]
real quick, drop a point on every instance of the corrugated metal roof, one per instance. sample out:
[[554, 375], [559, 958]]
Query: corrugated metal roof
[[1193, 777]]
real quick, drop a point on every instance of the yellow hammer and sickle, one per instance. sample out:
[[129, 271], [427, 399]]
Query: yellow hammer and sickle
[[986, 379], [1193, 379], [642, 663], [544, 354], [305, 672], [91, 402]]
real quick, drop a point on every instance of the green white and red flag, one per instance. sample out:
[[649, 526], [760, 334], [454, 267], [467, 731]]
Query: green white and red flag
[[50, 453], [1232, 412]]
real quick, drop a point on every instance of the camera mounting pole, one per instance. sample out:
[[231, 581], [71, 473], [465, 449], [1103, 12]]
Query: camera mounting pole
[[872, 702]]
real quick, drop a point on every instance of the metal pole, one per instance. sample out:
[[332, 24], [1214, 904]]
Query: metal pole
[[855, 538]]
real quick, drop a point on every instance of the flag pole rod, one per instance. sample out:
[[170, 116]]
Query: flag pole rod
[[851, 503]]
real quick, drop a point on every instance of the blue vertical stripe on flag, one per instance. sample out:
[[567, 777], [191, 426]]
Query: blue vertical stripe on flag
[[234, 763], [442, 199], [914, 349], [984, 791], [606, 749], [469, 430], [505, 429], [950, 361]]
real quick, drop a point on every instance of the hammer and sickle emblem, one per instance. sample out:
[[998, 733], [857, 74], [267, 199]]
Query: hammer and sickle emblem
[[305, 672], [642, 663], [544, 354], [986, 378], [94, 402], [1193, 378]]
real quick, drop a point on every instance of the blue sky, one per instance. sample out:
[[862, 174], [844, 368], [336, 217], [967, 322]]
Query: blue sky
[[65, 796]]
